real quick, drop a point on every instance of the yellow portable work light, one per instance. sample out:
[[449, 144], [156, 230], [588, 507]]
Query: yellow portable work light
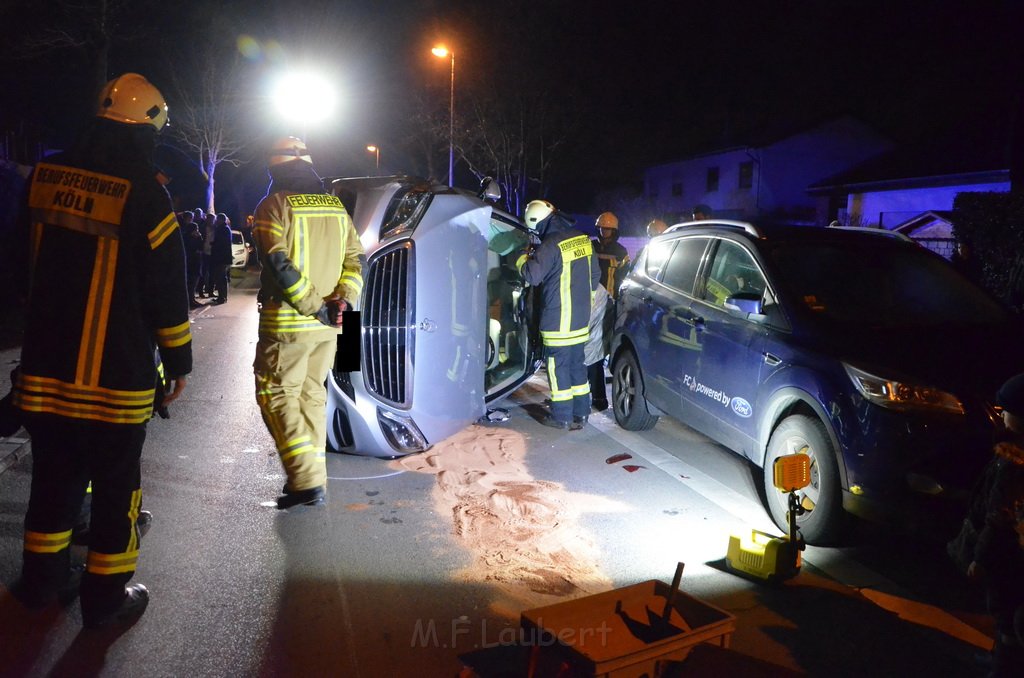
[[762, 556]]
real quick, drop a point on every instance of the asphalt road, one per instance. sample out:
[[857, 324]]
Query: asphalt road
[[400, 574]]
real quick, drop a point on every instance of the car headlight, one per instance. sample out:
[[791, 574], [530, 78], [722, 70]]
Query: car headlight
[[400, 431], [900, 395], [405, 211]]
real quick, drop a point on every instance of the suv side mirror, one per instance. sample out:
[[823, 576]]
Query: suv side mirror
[[489, 189], [746, 304]]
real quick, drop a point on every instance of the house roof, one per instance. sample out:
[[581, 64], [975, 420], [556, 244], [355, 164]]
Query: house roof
[[765, 135], [939, 162], [924, 219]]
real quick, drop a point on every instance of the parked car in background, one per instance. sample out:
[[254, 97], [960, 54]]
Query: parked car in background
[[239, 250], [863, 350], [446, 324]]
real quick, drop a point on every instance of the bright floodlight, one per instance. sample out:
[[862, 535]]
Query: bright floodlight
[[439, 51], [305, 97]]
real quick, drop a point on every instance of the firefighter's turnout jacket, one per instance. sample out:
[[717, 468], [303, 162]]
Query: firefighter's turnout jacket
[[566, 270], [309, 250], [613, 259], [107, 288]]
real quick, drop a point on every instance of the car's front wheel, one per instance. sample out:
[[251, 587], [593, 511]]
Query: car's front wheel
[[822, 520], [628, 400]]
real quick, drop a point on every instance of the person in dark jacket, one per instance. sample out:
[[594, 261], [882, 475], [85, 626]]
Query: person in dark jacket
[[220, 258], [566, 270], [107, 290], [997, 512], [193, 240]]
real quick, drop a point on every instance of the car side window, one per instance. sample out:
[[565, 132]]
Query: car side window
[[657, 255], [733, 271], [682, 266]]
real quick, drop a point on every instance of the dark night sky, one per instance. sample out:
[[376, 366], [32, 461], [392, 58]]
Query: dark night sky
[[640, 82]]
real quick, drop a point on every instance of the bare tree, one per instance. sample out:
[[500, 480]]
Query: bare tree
[[509, 137], [208, 112]]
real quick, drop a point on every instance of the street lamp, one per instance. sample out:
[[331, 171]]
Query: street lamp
[[441, 52], [376, 151]]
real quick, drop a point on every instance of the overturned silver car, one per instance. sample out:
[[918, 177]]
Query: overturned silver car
[[446, 325]]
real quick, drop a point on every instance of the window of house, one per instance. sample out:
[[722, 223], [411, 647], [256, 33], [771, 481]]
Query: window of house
[[712, 181], [677, 189], [746, 174]]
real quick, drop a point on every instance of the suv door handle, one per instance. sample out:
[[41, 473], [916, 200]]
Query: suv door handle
[[771, 359]]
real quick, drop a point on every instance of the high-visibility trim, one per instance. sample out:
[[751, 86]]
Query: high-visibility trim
[[581, 389], [97, 312], [60, 408], [298, 290], [353, 280], [558, 395], [300, 244], [164, 229], [112, 563], [81, 401], [133, 517], [558, 338], [47, 542], [520, 262], [286, 319], [295, 447], [170, 337], [110, 396], [268, 227]]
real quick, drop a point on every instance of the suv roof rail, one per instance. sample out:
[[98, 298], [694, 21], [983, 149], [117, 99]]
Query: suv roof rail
[[884, 232], [742, 225]]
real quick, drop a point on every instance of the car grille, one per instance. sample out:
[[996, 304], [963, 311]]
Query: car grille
[[387, 311]]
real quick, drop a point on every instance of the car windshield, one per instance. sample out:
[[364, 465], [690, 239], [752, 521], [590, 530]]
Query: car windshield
[[880, 284]]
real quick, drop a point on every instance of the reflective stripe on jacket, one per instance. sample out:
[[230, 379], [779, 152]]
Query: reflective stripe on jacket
[[107, 289], [309, 251], [565, 268]]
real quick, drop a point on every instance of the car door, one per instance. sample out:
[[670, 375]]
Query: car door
[[672, 349], [511, 339], [723, 380]]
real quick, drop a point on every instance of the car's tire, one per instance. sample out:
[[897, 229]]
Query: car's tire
[[823, 523], [628, 401]]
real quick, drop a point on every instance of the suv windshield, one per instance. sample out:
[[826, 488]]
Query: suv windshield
[[880, 284]]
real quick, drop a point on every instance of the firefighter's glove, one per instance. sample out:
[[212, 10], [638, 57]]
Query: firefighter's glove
[[330, 312], [159, 408]]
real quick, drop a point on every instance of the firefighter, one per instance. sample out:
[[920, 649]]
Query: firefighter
[[566, 270], [107, 289], [312, 272], [656, 227], [611, 256]]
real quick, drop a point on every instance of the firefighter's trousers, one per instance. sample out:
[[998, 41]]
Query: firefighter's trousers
[[567, 376], [66, 454], [292, 397]]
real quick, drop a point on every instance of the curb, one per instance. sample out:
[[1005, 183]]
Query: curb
[[14, 449]]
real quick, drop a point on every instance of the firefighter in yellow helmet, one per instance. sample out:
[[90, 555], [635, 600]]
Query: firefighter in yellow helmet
[[312, 272], [107, 290], [656, 227], [565, 269]]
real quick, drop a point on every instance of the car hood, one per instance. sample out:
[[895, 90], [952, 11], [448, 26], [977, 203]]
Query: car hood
[[966, 360]]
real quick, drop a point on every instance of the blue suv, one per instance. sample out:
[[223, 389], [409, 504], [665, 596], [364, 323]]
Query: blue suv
[[862, 349]]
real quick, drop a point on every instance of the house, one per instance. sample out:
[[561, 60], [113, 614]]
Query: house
[[912, 189], [763, 178]]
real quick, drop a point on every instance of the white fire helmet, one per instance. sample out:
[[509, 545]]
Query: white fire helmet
[[131, 99], [288, 149], [536, 212]]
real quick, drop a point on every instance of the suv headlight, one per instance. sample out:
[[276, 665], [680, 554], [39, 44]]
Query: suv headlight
[[900, 395], [405, 211]]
